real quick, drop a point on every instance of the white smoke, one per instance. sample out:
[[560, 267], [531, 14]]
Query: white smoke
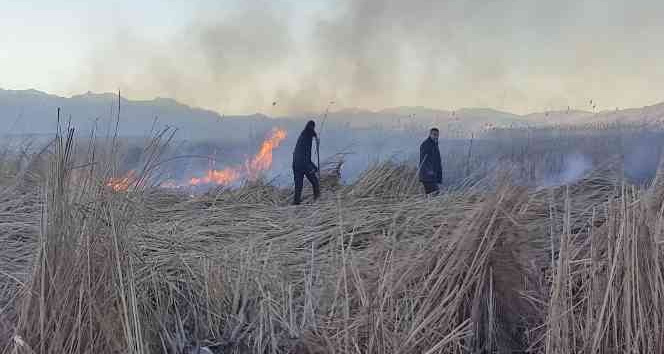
[[575, 167]]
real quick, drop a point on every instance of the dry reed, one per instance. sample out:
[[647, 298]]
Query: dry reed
[[373, 267]]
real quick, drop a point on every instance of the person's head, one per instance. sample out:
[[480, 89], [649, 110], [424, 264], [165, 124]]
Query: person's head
[[433, 134], [310, 125]]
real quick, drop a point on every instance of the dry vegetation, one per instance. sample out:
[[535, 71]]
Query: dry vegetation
[[372, 268]]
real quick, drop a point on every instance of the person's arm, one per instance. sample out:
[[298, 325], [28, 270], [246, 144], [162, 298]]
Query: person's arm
[[425, 164], [440, 169], [307, 150], [423, 154]]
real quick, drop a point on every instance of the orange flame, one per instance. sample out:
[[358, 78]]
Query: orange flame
[[121, 184], [224, 177], [262, 161]]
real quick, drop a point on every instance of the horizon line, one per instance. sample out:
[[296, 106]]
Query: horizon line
[[359, 109]]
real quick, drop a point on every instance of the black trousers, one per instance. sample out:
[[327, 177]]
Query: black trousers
[[299, 183], [431, 188]]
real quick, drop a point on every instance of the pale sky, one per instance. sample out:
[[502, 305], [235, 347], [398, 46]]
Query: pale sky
[[237, 57]]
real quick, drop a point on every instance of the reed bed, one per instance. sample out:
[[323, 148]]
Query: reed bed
[[372, 267]]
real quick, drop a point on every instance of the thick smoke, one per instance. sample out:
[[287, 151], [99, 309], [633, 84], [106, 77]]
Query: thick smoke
[[518, 55]]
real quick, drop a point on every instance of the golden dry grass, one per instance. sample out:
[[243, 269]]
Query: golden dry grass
[[374, 267]]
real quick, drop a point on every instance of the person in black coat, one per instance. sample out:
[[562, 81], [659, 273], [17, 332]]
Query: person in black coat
[[302, 165], [431, 171]]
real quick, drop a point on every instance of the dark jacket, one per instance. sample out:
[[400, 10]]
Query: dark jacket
[[431, 170], [302, 152]]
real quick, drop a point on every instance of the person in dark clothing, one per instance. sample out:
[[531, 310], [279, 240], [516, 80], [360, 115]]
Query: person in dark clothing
[[302, 165], [431, 171]]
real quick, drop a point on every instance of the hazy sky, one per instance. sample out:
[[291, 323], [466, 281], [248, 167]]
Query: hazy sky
[[240, 56]]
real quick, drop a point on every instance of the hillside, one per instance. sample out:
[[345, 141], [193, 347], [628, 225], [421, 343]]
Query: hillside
[[34, 112]]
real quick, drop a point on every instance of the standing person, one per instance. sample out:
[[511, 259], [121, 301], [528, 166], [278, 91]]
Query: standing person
[[302, 165], [431, 171]]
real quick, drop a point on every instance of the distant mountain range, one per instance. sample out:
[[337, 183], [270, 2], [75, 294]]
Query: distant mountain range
[[34, 112]]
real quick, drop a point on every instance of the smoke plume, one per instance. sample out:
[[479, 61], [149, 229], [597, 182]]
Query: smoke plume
[[518, 55]]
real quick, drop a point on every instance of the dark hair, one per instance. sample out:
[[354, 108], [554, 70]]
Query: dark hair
[[434, 130], [310, 125]]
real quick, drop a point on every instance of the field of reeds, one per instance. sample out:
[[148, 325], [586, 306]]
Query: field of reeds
[[489, 266]]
